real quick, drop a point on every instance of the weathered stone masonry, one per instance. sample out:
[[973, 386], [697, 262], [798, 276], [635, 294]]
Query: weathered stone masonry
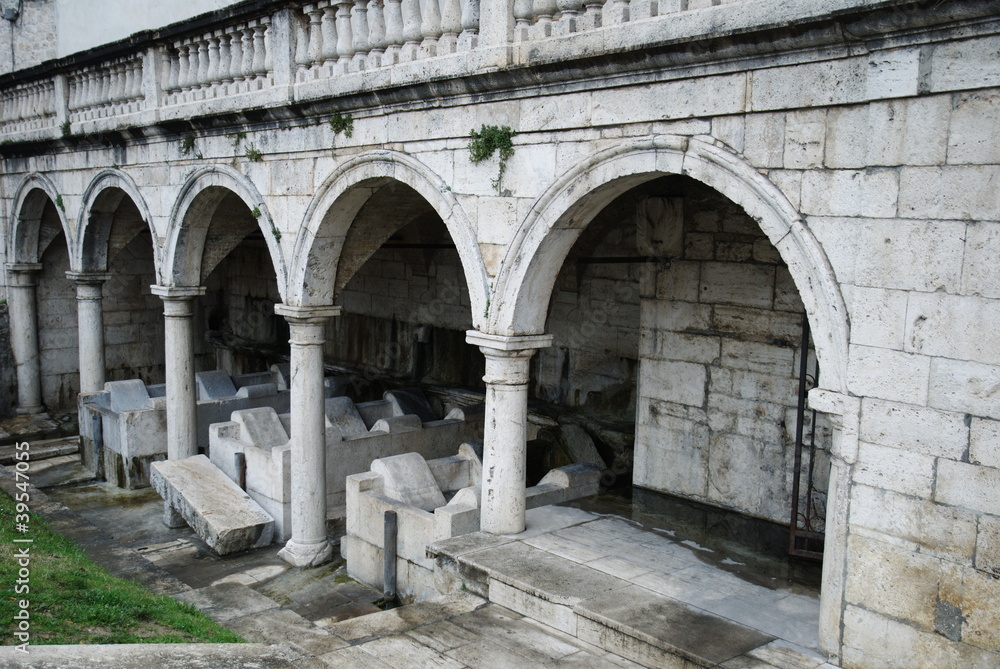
[[773, 159]]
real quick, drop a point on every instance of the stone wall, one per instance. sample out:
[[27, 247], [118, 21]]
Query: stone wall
[[34, 35], [8, 372], [238, 329], [133, 316], [58, 342], [405, 314]]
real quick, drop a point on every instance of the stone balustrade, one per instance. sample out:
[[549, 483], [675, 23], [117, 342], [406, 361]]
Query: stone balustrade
[[112, 88], [318, 41], [227, 61], [29, 106]]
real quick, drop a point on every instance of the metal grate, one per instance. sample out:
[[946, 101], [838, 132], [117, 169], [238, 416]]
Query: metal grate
[[806, 529]]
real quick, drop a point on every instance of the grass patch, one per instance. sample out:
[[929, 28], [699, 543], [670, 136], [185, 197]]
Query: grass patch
[[74, 601]]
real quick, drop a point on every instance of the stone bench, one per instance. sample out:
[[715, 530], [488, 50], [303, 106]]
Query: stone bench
[[198, 493]]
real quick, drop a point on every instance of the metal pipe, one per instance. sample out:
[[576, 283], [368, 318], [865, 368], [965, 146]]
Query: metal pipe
[[97, 434], [240, 459], [389, 558]]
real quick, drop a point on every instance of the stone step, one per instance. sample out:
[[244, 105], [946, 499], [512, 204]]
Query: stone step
[[30, 428], [217, 509], [41, 450], [596, 607]]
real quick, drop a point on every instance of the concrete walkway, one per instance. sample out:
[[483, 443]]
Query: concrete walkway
[[516, 601]]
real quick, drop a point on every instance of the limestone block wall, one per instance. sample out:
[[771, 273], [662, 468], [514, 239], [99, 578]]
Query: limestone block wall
[[719, 365], [33, 34], [387, 308], [133, 316], [238, 308], [594, 318], [58, 342]]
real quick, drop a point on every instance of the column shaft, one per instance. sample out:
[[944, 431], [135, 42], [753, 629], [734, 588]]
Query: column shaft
[[308, 545], [182, 416], [505, 434], [90, 329], [23, 311]]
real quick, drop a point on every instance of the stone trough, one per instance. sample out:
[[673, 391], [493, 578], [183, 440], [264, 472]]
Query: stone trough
[[434, 500], [130, 417], [254, 447]]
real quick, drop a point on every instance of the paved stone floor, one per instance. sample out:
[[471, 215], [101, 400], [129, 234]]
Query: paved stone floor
[[322, 618]]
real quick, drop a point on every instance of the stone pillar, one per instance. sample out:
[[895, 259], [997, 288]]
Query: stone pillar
[[90, 327], [24, 335], [844, 412], [182, 415], [308, 545], [505, 435]]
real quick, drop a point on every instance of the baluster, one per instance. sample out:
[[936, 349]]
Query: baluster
[[376, 33], [225, 61], [183, 68], [544, 11], [617, 12], [393, 31], [430, 26], [213, 79], [203, 65], [171, 71], [193, 66], [105, 98], [127, 92], [236, 57], [315, 35], [470, 25], [259, 56], [329, 33], [246, 67], [569, 16], [522, 18], [345, 40], [302, 44], [451, 26], [411, 29], [265, 22], [359, 33], [593, 16]]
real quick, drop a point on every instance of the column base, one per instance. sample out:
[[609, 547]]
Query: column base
[[306, 555], [30, 411]]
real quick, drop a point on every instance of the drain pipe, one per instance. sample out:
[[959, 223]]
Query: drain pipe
[[97, 436], [389, 559], [240, 464]]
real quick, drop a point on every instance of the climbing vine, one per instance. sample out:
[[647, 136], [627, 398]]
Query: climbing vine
[[489, 140], [341, 123]]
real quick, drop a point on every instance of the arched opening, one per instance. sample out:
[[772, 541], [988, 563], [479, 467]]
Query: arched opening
[[676, 282], [405, 300], [117, 241], [225, 250]]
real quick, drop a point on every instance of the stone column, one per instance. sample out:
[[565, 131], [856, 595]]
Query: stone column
[[505, 435], [24, 335], [182, 415], [308, 545], [90, 328], [844, 412]]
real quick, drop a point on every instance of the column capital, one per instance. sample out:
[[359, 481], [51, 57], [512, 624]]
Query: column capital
[[305, 314], [88, 278], [844, 413], [508, 344], [24, 274], [169, 293], [24, 267]]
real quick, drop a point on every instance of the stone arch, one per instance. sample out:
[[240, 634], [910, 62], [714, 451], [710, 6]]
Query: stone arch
[[191, 215], [529, 269], [340, 198], [100, 201], [25, 226]]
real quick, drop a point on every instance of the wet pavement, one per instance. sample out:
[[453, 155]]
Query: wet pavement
[[320, 617]]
